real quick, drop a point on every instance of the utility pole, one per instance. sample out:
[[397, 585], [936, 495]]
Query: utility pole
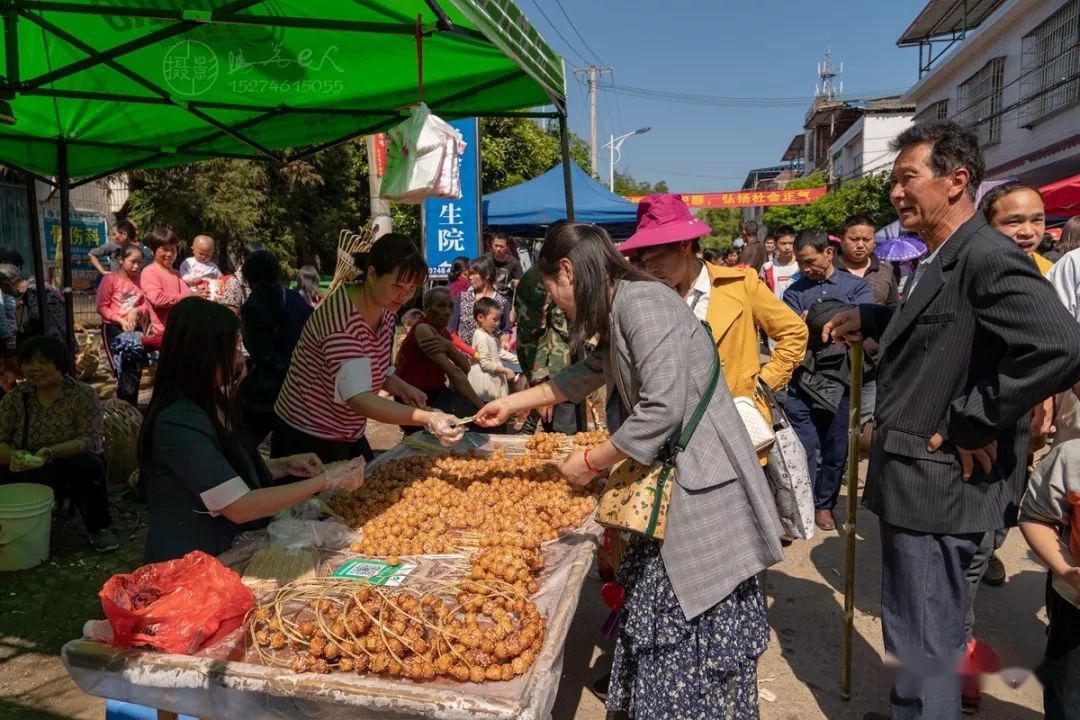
[[593, 72], [380, 209]]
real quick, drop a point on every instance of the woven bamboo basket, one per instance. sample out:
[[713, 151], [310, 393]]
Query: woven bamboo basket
[[88, 355], [349, 243], [122, 423]]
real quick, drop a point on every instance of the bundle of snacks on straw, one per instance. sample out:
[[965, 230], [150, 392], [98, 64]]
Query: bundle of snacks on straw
[[558, 445], [473, 631]]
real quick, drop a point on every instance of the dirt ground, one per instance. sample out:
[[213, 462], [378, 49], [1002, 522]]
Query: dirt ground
[[799, 674]]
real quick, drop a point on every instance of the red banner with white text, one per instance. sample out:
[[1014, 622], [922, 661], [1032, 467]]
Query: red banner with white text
[[749, 198]]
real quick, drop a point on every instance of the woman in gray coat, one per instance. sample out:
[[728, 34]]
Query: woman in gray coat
[[693, 622]]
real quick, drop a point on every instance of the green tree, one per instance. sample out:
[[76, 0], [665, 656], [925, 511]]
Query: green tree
[[868, 195], [297, 209], [725, 224], [514, 150], [224, 198], [628, 186]]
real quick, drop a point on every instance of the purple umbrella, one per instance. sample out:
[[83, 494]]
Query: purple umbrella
[[900, 249]]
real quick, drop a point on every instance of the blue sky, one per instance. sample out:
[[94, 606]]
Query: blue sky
[[755, 48]]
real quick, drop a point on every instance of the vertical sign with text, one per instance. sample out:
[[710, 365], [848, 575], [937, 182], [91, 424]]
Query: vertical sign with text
[[452, 227], [88, 230]]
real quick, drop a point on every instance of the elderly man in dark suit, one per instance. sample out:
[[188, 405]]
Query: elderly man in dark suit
[[978, 340]]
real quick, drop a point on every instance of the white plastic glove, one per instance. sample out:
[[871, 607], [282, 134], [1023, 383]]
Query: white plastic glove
[[345, 476], [447, 429]]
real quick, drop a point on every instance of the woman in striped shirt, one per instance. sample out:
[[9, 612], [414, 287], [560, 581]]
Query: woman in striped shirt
[[343, 360]]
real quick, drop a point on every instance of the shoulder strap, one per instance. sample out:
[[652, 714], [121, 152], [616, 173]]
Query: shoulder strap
[[706, 397], [26, 419]]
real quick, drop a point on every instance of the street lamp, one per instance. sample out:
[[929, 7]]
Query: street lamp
[[613, 148]]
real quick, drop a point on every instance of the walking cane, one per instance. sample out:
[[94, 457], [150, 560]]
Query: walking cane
[[854, 433]]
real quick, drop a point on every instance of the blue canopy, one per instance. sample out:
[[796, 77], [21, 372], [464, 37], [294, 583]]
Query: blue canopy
[[527, 208]]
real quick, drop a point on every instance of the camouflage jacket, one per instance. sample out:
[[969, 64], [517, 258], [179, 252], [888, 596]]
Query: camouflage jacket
[[543, 335]]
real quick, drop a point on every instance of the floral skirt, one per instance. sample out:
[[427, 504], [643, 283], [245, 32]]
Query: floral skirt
[[666, 666]]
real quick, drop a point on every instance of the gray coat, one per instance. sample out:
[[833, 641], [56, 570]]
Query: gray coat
[[722, 525]]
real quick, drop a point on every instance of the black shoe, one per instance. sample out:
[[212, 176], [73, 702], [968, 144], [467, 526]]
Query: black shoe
[[600, 686], [995, 572], [103, 540], [875, 716]]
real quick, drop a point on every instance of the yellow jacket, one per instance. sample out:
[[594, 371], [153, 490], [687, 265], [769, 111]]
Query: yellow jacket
[[1042, 263], [739, 304]]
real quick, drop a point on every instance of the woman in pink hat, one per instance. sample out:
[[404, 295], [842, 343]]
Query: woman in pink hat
[[733, 300]]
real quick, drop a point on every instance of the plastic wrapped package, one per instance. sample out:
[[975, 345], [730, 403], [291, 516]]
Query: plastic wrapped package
[[175, 606], [225, 679], [299, 527], [423, 159]]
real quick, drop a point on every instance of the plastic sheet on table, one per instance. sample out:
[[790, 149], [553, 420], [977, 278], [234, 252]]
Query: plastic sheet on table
[[227, 680]]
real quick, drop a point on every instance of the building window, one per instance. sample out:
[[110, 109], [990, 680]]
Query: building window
[[934, 111], [979, 101], [1050, 65]]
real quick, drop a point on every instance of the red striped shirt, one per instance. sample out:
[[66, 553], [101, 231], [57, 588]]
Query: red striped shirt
[[334, 334]]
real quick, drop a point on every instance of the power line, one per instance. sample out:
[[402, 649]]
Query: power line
[[618, 104], [727, 101], [554, 27], [580, 36]]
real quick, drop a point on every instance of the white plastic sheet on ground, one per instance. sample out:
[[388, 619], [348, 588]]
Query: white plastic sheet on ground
[[225, 681]]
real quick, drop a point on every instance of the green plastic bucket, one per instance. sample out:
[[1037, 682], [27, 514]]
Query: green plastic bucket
[[25, 522]]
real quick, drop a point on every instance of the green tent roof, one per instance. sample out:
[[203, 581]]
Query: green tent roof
[[145, 83]]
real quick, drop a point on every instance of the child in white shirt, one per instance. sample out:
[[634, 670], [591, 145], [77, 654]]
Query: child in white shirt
[[200, 268], [488, 377]]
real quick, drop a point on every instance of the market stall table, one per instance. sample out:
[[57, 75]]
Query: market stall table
[[222, 682]]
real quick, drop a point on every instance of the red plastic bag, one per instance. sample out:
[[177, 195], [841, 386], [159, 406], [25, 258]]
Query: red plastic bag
[[175, 606]]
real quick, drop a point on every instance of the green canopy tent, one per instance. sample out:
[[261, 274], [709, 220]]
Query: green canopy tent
[[92, 89]]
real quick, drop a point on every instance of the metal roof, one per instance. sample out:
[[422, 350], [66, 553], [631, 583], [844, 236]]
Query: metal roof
[[796, 149], [947, 17]]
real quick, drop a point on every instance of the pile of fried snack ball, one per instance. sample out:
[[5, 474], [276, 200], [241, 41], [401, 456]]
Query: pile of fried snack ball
[[495, 509]]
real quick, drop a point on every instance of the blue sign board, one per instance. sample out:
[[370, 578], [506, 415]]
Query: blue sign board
[[452, 227], [88, 230]]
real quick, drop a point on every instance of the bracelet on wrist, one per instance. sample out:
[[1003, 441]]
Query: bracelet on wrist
[[589, 465]]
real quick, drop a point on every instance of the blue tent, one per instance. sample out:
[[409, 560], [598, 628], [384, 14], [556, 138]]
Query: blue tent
[[528, 208]]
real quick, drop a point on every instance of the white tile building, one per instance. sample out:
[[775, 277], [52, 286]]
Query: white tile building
[[1010, 69]]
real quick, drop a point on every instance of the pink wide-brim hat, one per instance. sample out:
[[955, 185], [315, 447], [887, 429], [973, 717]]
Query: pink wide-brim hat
[[662, 220]]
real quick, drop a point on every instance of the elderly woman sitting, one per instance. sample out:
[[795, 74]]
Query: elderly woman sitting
[[51, 433]]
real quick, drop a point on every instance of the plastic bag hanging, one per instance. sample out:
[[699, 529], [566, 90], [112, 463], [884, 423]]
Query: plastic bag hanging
[[423, 159]]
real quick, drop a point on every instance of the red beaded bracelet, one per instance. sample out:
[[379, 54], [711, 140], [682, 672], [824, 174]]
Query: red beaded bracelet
[[589, 464]]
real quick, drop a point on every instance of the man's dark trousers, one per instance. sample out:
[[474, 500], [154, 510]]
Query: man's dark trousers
[[820, 430], [924, 593]]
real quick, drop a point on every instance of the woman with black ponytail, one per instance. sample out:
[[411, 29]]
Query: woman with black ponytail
[[342, 362], [271, 320]]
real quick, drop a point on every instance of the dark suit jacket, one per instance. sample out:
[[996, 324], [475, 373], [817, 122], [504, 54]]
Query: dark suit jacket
[[979, 342]]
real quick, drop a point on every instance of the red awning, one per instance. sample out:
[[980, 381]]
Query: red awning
[[1062, 197]]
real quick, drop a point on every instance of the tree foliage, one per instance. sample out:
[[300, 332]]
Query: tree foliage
[[725, 224], [514, 150], [868, 195], [627, 186], [298, 208]]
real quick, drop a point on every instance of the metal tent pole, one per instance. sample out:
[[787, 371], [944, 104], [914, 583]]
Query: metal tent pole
[[65, 245], [35, 243], [568, 188]]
